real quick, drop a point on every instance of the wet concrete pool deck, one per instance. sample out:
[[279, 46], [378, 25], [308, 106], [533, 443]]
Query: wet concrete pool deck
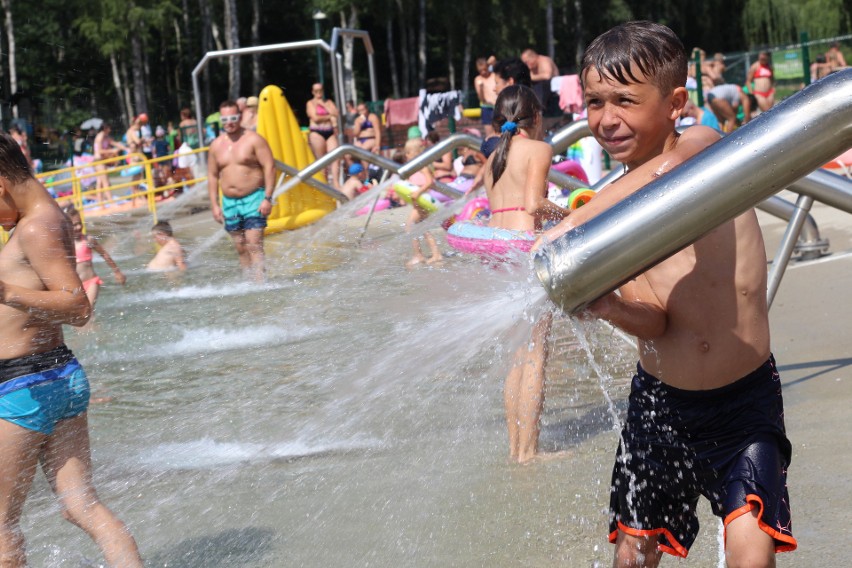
[[811, 323]]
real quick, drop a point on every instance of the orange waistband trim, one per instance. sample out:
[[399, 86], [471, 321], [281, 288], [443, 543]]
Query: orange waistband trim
[[783, 542], [676, 548]]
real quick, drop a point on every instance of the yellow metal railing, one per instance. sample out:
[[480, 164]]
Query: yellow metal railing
[[79, 195], [103, 196]]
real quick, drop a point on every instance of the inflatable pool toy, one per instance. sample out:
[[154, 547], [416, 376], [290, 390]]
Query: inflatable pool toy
[[425, 200], [462, 183], [476, 238], [475, 209], [303, 204], [380, 205], [571, 168], [579, 197]]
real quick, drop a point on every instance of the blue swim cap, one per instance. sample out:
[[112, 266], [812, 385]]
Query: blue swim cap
[[355, 169]]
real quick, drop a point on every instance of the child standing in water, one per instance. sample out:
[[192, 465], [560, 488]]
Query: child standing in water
[[516, 185], [43, 390], [423, 180], [83, 246], [705, 414]]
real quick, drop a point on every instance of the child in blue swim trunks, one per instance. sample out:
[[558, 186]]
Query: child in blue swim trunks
[[43, 390], [705, 414]]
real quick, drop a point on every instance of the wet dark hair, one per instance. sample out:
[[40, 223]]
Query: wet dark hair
[[70, 210], [433, 137], [227, 104], [162, 227], [398, 157], [13, 164], [655, 49], [518, 104], [514, 69]]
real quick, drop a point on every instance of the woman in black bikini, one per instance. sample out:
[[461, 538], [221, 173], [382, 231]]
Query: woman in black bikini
[[367, 130], [323, 115]]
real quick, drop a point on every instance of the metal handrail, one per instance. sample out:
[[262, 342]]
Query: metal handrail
[[569, 135], [314, 183], [308, 44], [728, 178], [404, 171]]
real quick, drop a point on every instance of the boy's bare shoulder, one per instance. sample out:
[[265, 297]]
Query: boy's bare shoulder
[[47, 220], [696, 138]]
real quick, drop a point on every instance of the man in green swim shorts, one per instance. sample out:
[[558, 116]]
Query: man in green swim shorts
[[240, 164]]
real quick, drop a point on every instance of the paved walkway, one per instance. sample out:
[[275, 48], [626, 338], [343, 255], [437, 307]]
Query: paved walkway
[[811, 321]]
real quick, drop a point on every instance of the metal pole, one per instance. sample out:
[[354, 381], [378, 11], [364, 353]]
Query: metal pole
[[806, 58], [319, 51], [785, 249], [725, 180], [318, 43]]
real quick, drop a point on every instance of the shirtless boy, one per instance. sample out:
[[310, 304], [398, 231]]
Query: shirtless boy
[[356, 183], [170, 256], [241, 165], [705, 415], [43, 390]]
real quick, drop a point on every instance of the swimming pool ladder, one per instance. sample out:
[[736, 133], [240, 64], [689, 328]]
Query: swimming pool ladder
[[777, 150]]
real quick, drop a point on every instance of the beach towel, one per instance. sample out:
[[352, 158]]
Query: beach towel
[[402, 112]]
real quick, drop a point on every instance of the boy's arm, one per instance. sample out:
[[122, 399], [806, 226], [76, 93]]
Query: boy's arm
[[98, 248], [377, 127], [746, 104], [213, 183], [632, 311], [64, 301], [180, 261], [479, 87], [175, 252]]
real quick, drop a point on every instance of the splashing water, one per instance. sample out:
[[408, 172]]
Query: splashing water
[[348, 412]]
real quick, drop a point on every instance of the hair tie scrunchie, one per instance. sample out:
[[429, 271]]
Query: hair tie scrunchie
[[509, 126]]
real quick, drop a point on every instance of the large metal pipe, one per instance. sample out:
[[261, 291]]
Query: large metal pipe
[[569, 134], [725, 180], [826, 187]]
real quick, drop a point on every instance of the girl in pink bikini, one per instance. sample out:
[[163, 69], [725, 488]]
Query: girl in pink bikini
[[83, 247], [516, 184], [761, 79]]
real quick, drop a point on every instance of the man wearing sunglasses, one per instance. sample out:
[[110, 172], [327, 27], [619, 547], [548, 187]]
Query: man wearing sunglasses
[[240, 164]]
